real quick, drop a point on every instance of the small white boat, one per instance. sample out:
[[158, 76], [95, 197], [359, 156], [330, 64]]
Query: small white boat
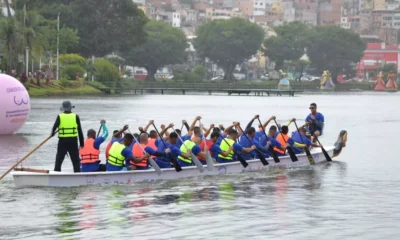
[[66, 179]]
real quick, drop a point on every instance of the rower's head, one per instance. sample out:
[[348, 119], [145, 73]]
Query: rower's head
[[178, 131], [173, 138], [313, 108], [251, 132], [144, 138], [196, 131], [118, 136], [136, 135], [91, 133], [153, 134], [260, 128], [233, 134], [272, 131], [302, 130], [216, 129], [285, 129], [128, 139], [197, 140], [214, 136]]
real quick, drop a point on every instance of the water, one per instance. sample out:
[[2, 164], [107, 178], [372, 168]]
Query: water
[[355, 197]]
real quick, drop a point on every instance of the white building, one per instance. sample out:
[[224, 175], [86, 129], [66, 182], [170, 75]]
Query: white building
[[139, 2], [259, 7], [176, 19], [344, 23]]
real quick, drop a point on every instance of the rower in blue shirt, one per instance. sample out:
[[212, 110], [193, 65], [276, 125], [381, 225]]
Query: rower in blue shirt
[[315, 122]]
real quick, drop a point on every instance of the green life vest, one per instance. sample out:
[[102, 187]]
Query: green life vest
[[115, 156], [225, 145], [189, 144], [68, 126]]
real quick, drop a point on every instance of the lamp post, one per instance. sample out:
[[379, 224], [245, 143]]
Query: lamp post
[[58, 45], [27, 60]]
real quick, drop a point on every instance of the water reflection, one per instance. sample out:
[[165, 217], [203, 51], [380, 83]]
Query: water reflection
[[10, 148], [68, 214]]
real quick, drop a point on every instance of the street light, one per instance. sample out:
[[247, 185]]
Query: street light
[[58, 44], [27, 60]]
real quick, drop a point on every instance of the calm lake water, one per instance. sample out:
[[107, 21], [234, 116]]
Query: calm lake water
[[357, 196]]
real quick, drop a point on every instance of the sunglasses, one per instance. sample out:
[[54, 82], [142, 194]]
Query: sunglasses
[[312, 107]]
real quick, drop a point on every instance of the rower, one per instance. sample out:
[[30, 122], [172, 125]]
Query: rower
[[90, 161], [205, 142], [315, 122], [114, 138], [215, 149], [120, 153], [270, 140], [69, 128], [284, 140], [301, 141], [231, 142], [244, 142], [191, 146], [137, 151], [165, 161]]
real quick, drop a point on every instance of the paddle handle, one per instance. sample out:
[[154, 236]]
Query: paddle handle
[[98, 132], [26, 156], [180, 138]]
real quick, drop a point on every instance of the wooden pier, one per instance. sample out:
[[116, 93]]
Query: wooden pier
[[210, 88]]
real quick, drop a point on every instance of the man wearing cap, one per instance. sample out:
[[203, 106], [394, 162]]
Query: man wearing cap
[[69, 128], [315, 122]]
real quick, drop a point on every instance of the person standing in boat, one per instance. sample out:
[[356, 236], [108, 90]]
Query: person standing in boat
[[69, 129], [90, 161], [315, 122], [121, 155]]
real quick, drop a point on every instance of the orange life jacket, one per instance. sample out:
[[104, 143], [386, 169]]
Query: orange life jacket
[[138, 153], [88, 153], [108, 149], [282, 139], [151, 142], [209, 145]]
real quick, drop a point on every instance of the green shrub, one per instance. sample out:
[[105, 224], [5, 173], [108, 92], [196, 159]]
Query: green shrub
[[72, 59], [199, 70], [191, 77], [106, 72], [64, 82], [70, 71]]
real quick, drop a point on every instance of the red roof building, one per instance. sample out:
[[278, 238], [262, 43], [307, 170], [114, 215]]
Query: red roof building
[[376, 55]]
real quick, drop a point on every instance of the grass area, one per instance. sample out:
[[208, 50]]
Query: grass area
[[60, 88]]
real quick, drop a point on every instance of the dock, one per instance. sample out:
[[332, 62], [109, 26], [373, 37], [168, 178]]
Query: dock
[[209, 88]]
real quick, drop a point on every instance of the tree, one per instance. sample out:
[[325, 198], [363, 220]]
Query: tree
[[290, 43], [165, 45], [103, 26], [106, 72], [228, 42], [334, 48]]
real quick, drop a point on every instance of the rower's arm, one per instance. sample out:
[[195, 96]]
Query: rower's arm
[[104, 133], [226, 153], [207, 132], [185, 155], [247, 150], [193, 125], [268, 121], [120, 131], [148, 125], [186, 125], [299, 145], [226, 131]]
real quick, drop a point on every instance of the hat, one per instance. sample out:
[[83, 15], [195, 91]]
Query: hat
[[66, 106]]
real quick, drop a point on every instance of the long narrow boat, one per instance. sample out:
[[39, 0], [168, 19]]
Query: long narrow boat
[[65, 179]]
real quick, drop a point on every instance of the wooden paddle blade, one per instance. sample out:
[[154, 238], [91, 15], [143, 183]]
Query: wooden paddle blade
[[262, 158], [242, 161], [328, 158], [155, 166], [292, 155], [197, 162], [177, 167], [210, 161], [309, 156], [273, 154]]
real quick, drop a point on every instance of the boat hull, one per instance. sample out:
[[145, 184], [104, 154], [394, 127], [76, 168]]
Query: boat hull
[[66, 179]]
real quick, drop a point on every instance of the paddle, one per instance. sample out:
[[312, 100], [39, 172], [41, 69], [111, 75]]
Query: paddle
[[328, 158], [309, 156], [195, 160], [173, 160], [290, 150], [260, 155], [270, 148], [98, 133], [209, 160], [26, 156], [241, 159], [152, 162]]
